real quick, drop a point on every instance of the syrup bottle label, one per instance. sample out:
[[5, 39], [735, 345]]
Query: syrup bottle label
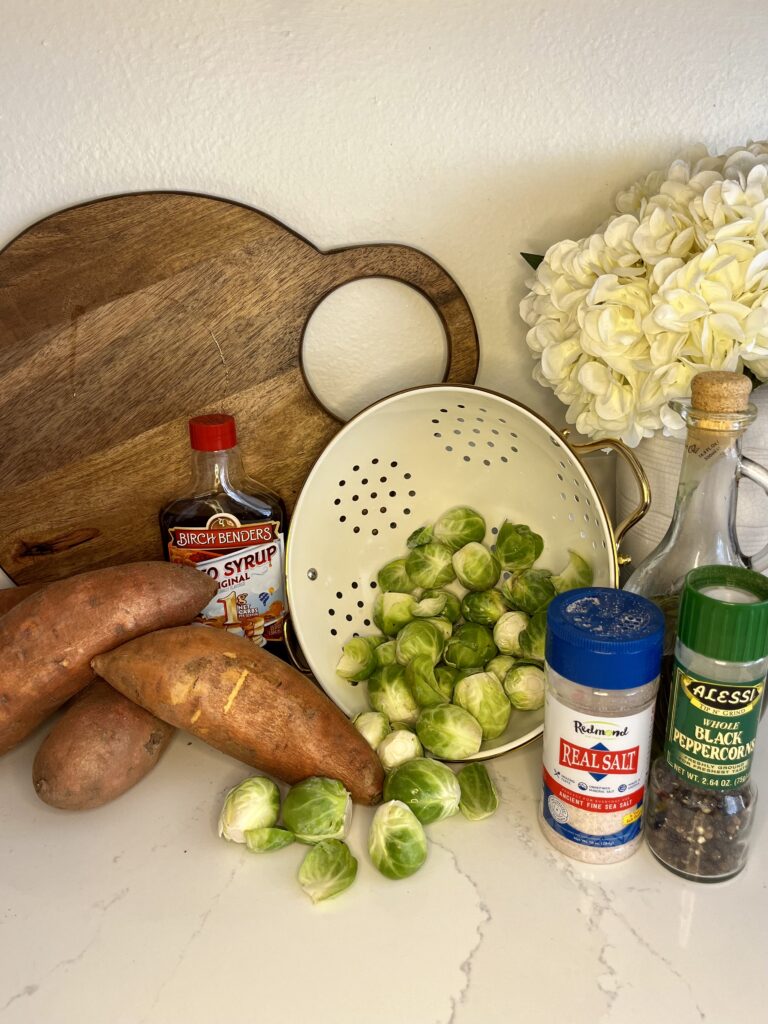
[[246, 560]]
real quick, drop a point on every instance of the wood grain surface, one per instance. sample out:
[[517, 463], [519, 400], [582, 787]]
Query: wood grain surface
[[121, 318]]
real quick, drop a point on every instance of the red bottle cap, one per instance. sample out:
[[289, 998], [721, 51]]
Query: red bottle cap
[[212, 433]]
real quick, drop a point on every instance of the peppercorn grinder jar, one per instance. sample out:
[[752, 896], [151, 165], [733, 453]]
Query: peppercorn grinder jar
[[701, 799]]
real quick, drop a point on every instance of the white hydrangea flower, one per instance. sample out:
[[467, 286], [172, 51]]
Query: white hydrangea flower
[[674, 282]]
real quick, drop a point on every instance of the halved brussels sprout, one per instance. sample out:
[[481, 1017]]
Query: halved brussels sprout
[[479, 798], [317, 809], [476, 567], [459, 526], [484, 606], [385, 654], [449, 731], [524, 685], [328, 869], [399, 746], [452, 609], [483, 697], [389, 693], [533, 637], [529, 590], [396, 843], [508, 630], [517, 546], [419, 637], [471, 644], [420, 537], [394, 576], [500, 665], [430, 566], [428, 787], [254, 803], [358, 659], [266, 840], [420, 676], [372, 725], [577, 573]]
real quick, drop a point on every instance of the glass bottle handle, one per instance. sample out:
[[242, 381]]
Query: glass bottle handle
[[758, 475]]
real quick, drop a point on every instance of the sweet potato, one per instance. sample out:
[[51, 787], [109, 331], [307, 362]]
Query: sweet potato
[[48, 642], [101, 746], [246, 702], [11, 596]]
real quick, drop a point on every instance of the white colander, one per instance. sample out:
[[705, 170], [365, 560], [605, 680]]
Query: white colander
[[399, 464]]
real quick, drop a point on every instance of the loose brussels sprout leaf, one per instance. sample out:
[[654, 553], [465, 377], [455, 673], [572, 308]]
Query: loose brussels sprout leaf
[[388, 692], [266, 840], [500, 665], [419, 637], [445, 627], [396, 843], [524, 685], [392, 611], [428, 787], [255, 803], [459, 526], [328, 869], [399, 746], [577, 573], [372, 725], [479, 798], [430, 566], [483, 697], [533, 637], [420, 537], [471, 644], [452, 609], [449, 732], [317, 809], [508, 630], [385, 654], [529, 590], [476, 567], [517, 546], [445, 680], [485, 607], [420, 676], [393, 576], [357, 661]]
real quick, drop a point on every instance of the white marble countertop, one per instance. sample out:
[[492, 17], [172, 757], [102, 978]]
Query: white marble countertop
[[138, 913]]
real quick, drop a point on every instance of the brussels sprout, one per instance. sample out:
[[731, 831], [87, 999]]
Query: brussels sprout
[[449, 732], [507, 632], [445, 627], [430, 566], [483, 697], [500, 665], [476, 567], [255, 803], [385, 654], [419, 637], [420, 537], [317, 809], [428, 787], [452, 609], [396, 843], [420, 676], [388, 692], [462, 673], [392, 611], [479, 798], [328, 869], [357, 661], [445, 680], [471, 644], [529, 590], [459, 526], [524, 685], [533, 637], [517, 546], [372, 725], [265, 840], [577, 573], [484, 606], [393, 576], [399, 746]]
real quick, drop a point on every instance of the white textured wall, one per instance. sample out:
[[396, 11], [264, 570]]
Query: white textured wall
[[469, 128]]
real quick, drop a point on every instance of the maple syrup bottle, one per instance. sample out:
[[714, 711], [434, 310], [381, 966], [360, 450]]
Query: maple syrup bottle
[[232, 528]]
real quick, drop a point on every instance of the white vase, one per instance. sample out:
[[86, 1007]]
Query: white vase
[[661, 458]]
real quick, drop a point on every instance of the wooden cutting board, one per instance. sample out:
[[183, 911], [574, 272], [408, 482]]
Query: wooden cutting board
[[121, 318]]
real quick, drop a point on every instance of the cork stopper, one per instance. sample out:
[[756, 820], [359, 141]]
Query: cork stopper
[[720, 391]]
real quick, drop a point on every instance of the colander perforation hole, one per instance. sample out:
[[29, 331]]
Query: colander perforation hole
[[382, 479], [494, 530], [449, 447], [373, 584], [561, 478], [486, 462], [504, 458], [562, 495], [374, 462], [393, 494], [411, 494], [354, 584], [406, 511], [472, 444], [331, 611], [366, 622], [356, 529], [364, 511], [466, 458], [514, 449], [374, 532], [437, 434], [355, 497], [355, 469], [495, 431], [334, 632], [476, 430]]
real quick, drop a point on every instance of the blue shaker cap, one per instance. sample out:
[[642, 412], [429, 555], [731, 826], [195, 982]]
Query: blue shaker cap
[[603, 638]]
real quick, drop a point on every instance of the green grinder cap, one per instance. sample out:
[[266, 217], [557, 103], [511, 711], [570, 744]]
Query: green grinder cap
[[724, 613]]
